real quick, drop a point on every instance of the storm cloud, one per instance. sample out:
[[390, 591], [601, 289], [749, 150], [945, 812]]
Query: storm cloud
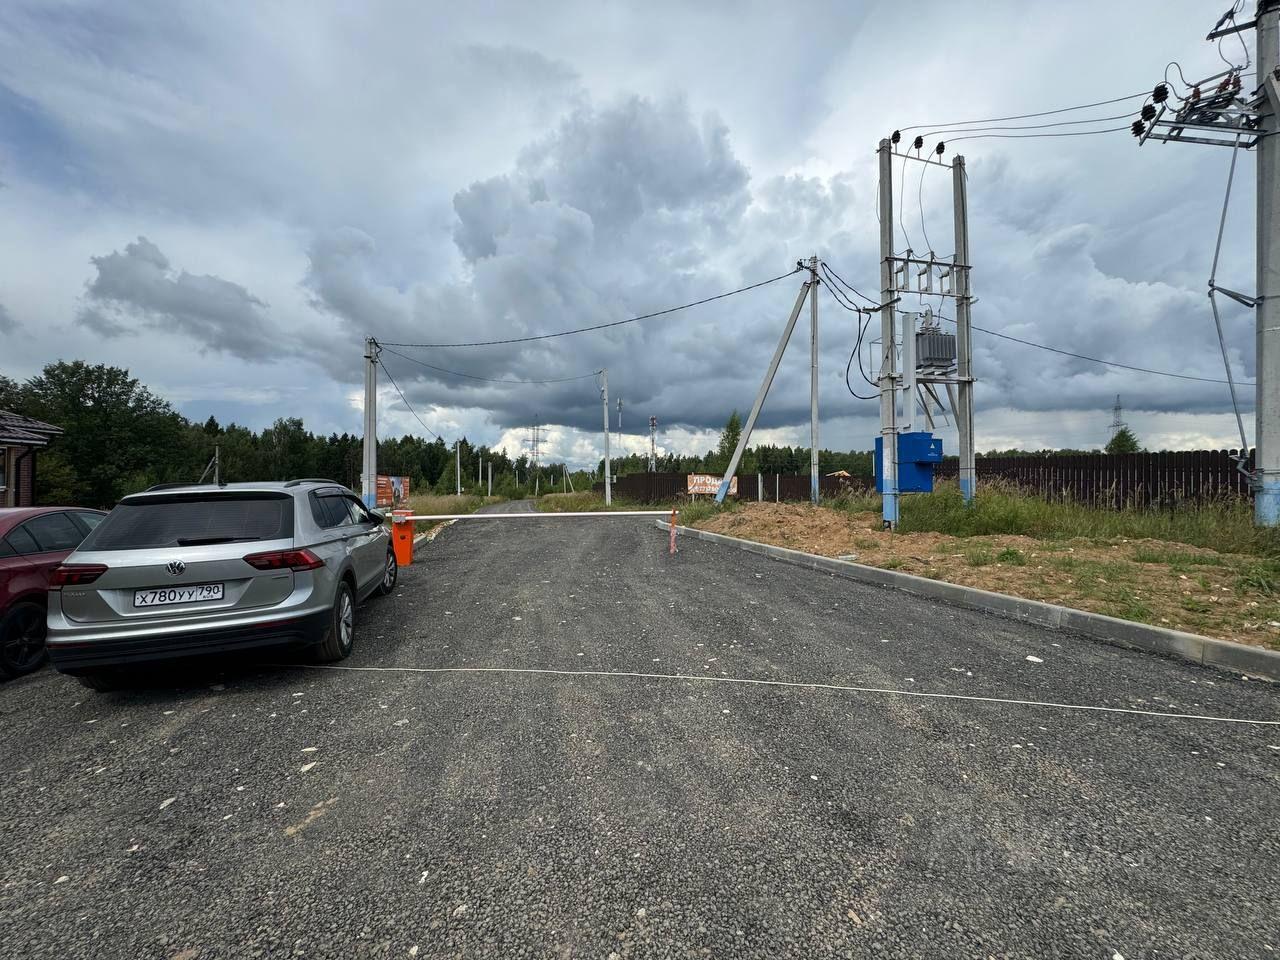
[[137, 289]]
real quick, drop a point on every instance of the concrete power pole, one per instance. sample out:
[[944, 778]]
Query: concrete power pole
[[653, 444], [1266, 502], [491, 478], [888, 361], [964, 331], [457, 466], [604, 399], [813, 381], [369, 472]]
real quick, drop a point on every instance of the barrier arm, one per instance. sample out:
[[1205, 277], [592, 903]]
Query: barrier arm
[[764, 392]]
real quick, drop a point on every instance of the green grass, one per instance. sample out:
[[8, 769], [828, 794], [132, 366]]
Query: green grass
[[1260, 578], [979, 557], [1226, 526], [584, 501], [1012, 556], [695, 511], [855, 501]]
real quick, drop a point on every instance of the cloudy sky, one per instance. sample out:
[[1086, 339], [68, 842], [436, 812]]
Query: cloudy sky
[[227, 198]]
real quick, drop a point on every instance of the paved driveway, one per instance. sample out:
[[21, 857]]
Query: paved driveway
[[587, 778]]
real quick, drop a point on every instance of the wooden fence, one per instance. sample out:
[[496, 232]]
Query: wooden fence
[[670, 487], [1119, 480]]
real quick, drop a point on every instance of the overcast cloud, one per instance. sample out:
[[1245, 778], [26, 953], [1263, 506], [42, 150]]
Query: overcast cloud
[[228, 199]]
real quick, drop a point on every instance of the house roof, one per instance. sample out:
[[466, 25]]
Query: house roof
[[26, 431]]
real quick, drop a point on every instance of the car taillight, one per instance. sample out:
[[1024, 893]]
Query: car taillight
[[284, 560], [76, 574]]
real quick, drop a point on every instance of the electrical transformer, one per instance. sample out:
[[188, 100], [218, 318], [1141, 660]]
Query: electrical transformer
[[935, 349]]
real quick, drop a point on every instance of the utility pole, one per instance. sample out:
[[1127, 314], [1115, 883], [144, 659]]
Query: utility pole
[[619, 416], [813, 380], [888, 399], [964, 331], [217, 465], [808, 288], [491, 478], [457, 466], [1266, 500], [653, 444], [369, 476], [604, 399], [1222, 112]]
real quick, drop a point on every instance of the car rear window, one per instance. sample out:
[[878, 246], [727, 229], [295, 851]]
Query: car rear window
[[54, 531], [191, 520]]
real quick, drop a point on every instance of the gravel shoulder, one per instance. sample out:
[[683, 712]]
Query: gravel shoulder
[[281, 811]]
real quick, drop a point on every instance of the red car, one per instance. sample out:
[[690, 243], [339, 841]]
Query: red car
[[33, 540]]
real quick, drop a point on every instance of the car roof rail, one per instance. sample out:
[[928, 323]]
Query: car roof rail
[[302, 480], [173, 486]]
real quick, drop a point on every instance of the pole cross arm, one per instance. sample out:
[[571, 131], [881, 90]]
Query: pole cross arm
[[1241, 298]]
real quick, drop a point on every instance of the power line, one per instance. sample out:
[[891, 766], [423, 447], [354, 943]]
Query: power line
[[1027, 116], [1031, 126], [469, 376], [924, 168], [1081, 356], [826, 269], [1030, 136], [601, 326], [406, 400]]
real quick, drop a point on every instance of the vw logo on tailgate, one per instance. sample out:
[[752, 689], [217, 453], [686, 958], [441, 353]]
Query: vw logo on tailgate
[[175, 567]]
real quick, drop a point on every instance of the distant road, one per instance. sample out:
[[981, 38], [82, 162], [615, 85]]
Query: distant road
[[556, 811]]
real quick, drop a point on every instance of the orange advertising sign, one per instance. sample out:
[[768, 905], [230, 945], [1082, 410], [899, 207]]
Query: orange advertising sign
[[392, 491], [709, 483]]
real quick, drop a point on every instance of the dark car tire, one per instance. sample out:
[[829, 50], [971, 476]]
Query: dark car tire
[[390, 574], [22, 631], [340, 637], [103, 681]]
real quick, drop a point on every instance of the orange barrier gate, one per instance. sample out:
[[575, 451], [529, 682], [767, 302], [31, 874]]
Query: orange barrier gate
[[402, 536]]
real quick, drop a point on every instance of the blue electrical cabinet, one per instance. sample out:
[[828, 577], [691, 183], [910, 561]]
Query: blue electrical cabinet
[[917, 453]]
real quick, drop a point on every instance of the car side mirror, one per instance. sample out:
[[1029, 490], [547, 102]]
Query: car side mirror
[[377, 516]]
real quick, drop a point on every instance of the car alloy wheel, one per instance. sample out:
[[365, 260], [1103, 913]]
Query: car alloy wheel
[[346, 620], [22, 646]]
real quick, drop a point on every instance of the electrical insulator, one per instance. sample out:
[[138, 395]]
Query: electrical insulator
[[918, 142], [1235, 81], [1160, 94], [1148, 112], [1138, 128], [1195, 93], [897, 135], [940, 148]]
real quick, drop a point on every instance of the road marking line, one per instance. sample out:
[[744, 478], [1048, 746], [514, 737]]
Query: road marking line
[[785, 683]]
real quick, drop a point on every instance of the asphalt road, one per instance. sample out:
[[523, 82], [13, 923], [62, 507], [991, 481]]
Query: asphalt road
[[288, 811]]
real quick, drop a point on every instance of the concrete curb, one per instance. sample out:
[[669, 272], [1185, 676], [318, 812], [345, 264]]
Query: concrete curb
[[1206, 651]]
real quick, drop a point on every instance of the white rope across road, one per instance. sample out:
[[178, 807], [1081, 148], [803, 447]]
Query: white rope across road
[[887, 691], [535, 516]]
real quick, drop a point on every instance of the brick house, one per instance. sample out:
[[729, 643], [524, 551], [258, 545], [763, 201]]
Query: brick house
[[20, 438]]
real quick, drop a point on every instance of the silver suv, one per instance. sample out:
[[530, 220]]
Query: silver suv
[[186, 570]]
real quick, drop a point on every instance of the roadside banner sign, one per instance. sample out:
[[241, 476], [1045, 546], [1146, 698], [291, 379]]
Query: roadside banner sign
[[392, 490], [710, 484]]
